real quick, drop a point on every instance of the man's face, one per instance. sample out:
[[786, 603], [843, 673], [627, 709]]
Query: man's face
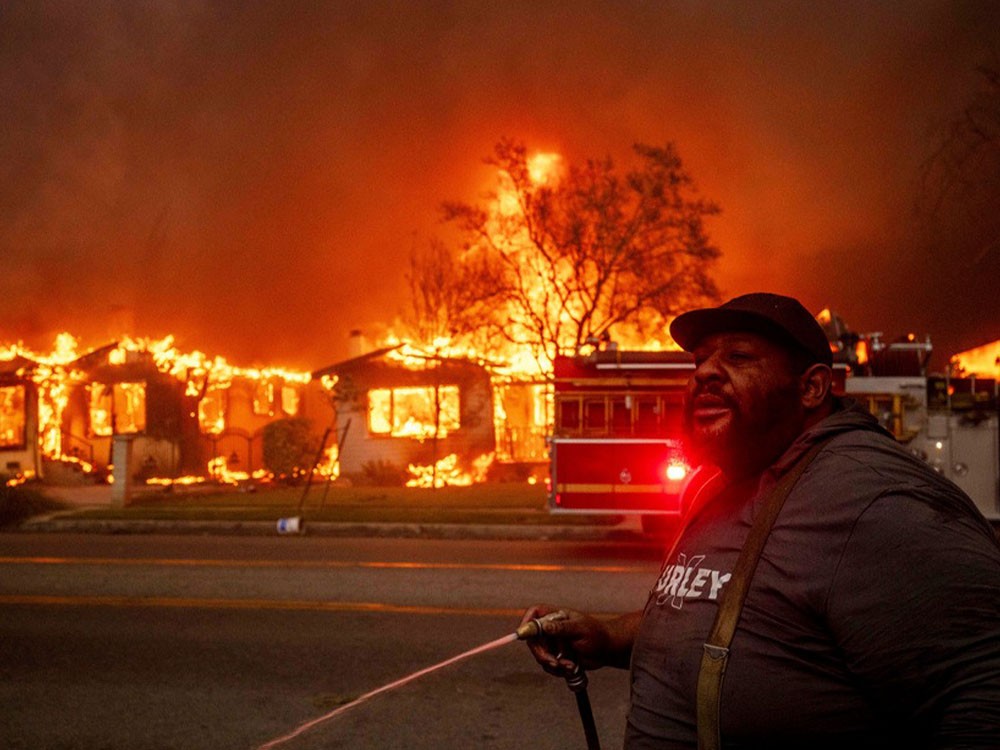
[[743, 405]]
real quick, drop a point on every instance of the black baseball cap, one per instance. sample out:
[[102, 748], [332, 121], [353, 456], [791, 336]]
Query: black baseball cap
[[779, 318]]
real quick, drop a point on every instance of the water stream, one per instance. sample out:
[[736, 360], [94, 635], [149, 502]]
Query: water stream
[[385, 688]]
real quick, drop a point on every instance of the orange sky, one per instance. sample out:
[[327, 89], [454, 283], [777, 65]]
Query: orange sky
[[251, 176]]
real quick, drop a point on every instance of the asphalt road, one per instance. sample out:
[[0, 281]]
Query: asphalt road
[[230, 642]]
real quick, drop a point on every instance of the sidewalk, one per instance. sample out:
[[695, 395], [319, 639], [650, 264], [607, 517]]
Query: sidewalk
[[82, 496]]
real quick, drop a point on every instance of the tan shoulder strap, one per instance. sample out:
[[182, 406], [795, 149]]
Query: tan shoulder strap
[[716, 653]]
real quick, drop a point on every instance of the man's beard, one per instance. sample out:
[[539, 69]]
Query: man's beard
[[752, 433]]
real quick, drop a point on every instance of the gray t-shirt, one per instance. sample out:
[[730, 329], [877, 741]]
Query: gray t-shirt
[[873, 617]]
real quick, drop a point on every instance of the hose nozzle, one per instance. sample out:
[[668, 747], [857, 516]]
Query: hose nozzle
[[533, 627]]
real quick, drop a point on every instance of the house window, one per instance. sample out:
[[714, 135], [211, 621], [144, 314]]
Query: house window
[[263, 399], [289, 400], [212, 412], [117, 409], [409, 412], [12, 416]]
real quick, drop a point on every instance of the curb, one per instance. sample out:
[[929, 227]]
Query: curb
[[55, 523]]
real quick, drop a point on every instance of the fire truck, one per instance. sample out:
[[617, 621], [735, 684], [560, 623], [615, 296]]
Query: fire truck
[[952, 423], [616, 443]]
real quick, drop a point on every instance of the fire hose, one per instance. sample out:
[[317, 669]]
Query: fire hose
[[576, 680]]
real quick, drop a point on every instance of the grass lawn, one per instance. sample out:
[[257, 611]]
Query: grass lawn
[[493, 503]]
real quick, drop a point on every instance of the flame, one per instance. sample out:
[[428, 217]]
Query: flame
[[447, 472], [544, 167], [20, 478], [217, 470], [522, 363], [171, 481], [197, 365], [861, 351], [420, 412], [561, 314], [85, 466], [53, 376], [212, 412], [983, 361], [329, 467]]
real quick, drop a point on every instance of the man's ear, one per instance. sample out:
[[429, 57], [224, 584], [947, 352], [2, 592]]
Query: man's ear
[[815, 385]]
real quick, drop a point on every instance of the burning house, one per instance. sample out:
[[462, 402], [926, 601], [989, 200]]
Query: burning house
[[429, 419], [431, 415], [181, 414], [391, 415], [115, 391]]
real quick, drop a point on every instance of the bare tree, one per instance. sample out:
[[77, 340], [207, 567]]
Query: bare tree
[[961, 184], [448, 296], [580, 257]]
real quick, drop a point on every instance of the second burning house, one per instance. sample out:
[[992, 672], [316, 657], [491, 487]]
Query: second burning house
[[393, 414]]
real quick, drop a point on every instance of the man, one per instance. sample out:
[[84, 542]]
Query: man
[[873, 616]]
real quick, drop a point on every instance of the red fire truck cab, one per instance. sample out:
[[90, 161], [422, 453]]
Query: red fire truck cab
[[616, 442]]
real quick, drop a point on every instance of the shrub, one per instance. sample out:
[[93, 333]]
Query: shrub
[[19, 503], [290, 447]]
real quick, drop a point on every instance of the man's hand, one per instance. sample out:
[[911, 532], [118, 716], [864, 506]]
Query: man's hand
[[571, 638]]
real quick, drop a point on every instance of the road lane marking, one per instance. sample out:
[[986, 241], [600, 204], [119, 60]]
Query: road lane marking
[[320, 564], [303, 605]]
